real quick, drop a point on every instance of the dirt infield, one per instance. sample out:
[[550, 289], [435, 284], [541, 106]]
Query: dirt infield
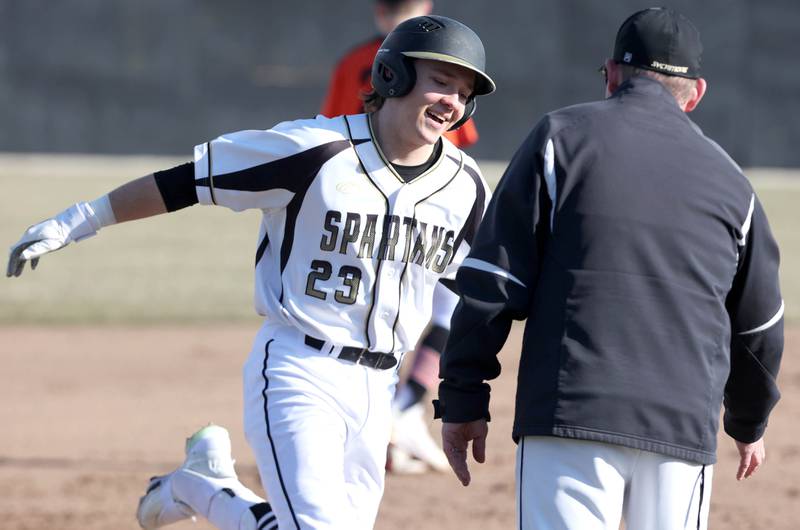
[[89, 414]]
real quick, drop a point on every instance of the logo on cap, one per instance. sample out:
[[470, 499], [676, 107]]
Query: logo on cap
[[628, 57], [669, 67]]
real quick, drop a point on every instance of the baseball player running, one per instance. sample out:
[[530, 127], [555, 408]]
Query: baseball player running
[[412, 448], [365, 221]]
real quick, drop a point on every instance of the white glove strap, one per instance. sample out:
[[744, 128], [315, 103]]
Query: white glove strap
[[103, 211], [80, 222]]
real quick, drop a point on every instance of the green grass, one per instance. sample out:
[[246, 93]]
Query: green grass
[[195, 265], [781, 200]]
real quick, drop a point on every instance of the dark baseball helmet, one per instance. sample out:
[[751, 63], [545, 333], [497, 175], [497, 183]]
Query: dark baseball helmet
[[434, 38]]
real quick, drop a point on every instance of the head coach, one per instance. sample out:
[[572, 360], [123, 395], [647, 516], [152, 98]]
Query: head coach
[[644, 264]]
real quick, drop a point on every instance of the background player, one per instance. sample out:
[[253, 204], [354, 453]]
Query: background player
[[645, 266], [365, 221], [413, 449], [352, 76]]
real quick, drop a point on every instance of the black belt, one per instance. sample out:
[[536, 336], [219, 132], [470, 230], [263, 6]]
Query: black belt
[[372, 359]]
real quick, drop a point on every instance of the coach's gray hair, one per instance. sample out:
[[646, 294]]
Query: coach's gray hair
[[680, 87]]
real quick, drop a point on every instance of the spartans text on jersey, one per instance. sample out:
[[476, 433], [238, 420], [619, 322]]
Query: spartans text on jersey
[[432, 247]]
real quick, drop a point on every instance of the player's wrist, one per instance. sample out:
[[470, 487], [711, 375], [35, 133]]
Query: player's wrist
[[84, 219], [103, 212]]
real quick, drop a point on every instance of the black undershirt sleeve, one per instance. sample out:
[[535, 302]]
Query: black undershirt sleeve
[[177, 186]]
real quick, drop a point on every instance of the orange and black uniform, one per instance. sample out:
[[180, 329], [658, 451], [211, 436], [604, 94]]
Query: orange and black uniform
[[351, 78]]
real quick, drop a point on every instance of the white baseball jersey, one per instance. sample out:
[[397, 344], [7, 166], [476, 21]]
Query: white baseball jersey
[[348, 252]]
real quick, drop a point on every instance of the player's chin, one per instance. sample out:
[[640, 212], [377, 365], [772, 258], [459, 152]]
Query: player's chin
[[433, 130]]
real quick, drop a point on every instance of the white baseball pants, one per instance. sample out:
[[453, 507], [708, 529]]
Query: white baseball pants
[[581, 485], [319, 428]]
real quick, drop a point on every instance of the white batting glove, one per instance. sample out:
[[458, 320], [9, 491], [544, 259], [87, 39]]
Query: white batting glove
[[72, 225]]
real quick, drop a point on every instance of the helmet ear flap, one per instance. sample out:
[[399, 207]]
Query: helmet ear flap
[[393, 74], [469, 110]]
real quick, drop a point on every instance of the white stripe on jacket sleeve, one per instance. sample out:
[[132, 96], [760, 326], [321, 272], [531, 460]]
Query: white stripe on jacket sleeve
[[747, 221], [766, 325], [490, 268], [550, 178]]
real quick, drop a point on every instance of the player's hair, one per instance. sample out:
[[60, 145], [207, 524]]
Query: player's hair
[[680, 87], [371, 100]]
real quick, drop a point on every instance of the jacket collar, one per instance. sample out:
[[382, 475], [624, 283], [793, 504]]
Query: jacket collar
[[641, 85]]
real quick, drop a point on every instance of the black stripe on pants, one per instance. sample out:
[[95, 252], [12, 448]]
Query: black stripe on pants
[[269, 434]]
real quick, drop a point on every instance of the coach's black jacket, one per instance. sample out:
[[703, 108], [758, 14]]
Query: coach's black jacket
[[649, 277]]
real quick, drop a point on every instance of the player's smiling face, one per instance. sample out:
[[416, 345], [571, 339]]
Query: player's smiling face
[[438, 98], [435, 103], [408, 127]]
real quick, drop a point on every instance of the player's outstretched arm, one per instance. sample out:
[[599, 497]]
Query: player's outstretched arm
[[135, 200]]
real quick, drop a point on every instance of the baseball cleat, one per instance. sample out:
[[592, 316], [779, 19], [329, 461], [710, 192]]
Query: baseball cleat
[[410, 434], [159, 508], [208, 453], [399, 462]]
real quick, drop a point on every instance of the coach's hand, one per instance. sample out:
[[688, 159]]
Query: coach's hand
[[751, 456], [455, 440]]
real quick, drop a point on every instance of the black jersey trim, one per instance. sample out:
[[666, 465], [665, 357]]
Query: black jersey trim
[[471, 226], [210, 177], [177, 186], [430, 165], [269, 434], [292, 173], [386, 212], [460, 164], [262, 247]]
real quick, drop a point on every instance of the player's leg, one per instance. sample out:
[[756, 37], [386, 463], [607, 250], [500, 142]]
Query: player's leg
[[570, 484], [667, 494], [365, 450], [299, 452], [210, 486], [297, 427], [205, 484]]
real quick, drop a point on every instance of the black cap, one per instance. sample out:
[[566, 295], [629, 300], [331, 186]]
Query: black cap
[[661, 40]]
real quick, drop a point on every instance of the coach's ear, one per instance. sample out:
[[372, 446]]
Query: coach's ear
[[697, 94], [613, 76]]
